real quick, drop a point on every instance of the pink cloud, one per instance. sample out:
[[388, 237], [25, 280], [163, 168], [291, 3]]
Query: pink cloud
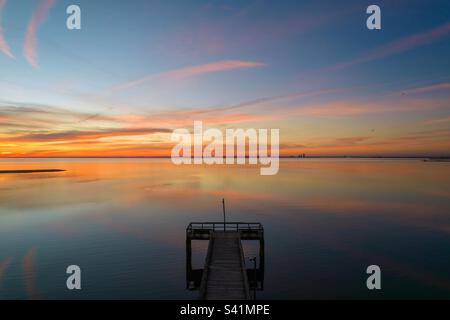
[[187, 72], [397, 46], [39, 15], [186, 117], [4, 47], [209, 68]]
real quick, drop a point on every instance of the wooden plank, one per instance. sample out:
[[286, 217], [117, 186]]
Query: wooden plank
[[225, 275]]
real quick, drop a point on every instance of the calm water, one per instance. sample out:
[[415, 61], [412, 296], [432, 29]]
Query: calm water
[[123, 222]]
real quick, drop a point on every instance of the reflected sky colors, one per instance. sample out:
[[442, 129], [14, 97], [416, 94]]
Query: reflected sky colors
[[123, 222], [139, 69]]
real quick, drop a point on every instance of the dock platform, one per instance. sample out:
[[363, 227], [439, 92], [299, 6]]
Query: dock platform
[[224, 276]]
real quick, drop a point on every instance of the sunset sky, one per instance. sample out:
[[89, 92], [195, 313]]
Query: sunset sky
[[137, 70]]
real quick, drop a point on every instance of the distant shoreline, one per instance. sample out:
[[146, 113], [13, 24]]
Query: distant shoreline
[[437, 160], [31, 171]]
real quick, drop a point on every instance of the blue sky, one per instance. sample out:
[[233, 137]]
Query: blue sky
[[308, 63]]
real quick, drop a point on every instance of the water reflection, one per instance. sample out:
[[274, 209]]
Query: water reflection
[[123, 222]]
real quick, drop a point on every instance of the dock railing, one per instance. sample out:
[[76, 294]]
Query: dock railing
[[220, 226]]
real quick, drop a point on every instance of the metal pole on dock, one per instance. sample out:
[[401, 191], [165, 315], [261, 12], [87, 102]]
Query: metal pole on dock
[[224, 218], [255, 281]]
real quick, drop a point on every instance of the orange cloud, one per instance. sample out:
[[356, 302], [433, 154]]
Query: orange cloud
[[39, 15], [4, 47], [219, 66], [32, 130]]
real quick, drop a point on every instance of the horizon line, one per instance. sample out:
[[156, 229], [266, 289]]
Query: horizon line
[[246, 157]]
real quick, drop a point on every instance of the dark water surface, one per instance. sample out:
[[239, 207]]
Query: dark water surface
[[123, 222]]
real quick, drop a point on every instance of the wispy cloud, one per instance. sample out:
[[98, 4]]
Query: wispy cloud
[[397, 46], [88, 135], [29, 117], [219, 66], [431, 88], [438, 121], [39, 15], [186, 117], [355, 107], [4, 47], [212, 33], [187, 72]]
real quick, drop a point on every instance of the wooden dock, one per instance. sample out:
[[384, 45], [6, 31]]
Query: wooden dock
[[224, 276]]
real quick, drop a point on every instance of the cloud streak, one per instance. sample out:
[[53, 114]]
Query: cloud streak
[[438, 121], [187, 72], [34, 116], [30, 46], [397, 46], [4, 47], [88, 135], [355, 107], [435, 87]]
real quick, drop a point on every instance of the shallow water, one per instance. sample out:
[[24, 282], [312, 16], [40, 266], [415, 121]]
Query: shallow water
[[123, 222]]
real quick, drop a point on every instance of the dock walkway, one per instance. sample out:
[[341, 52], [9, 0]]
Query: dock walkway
[[225, 274]]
